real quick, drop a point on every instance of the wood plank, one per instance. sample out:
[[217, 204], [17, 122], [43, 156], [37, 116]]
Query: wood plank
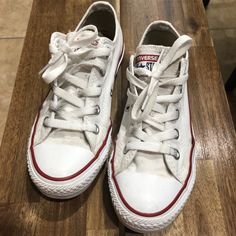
[[187, 16], [203, 213], [212, 122], [213, 126], [211, 208]]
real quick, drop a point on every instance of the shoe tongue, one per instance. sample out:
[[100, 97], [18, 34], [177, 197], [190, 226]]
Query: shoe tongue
[[148, 55]]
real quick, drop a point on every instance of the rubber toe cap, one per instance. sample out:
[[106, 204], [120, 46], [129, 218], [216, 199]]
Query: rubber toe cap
[[147, 193], [61, 160]]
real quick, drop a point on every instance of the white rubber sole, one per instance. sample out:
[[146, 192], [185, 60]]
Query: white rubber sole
[[73, 187], [143, 224]]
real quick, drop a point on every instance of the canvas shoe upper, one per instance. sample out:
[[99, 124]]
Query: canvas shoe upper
[[73, 127], [152, 162]]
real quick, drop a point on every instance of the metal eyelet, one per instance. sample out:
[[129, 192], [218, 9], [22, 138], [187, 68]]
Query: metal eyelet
[[111, 93], [97, 129], [177, 134], [176, 155], [178, 114], [44, 120], [125, 151], [98, 109], [127, 108]]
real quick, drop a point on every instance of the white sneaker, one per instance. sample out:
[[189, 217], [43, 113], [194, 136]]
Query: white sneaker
[[71, 135], [152, 168]]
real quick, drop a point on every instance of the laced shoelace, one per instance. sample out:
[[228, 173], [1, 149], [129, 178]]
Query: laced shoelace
[[71, 52], [150, 111]]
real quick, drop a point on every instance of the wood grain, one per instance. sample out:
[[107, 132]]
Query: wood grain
[[211, 209]]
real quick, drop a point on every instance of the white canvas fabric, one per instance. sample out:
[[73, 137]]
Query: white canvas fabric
[[73, 127], [152, 160]]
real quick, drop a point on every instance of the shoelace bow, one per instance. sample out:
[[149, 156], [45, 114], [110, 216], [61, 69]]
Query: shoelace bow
[[148, 101], [70, 52]]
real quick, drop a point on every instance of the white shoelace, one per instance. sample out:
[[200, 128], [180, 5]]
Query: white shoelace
[[150, 110], [70, 53]]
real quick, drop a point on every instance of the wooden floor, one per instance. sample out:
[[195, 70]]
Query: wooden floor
[[211, 209]]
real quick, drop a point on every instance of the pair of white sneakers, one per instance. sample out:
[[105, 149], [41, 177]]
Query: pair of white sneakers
[[151, 170]]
